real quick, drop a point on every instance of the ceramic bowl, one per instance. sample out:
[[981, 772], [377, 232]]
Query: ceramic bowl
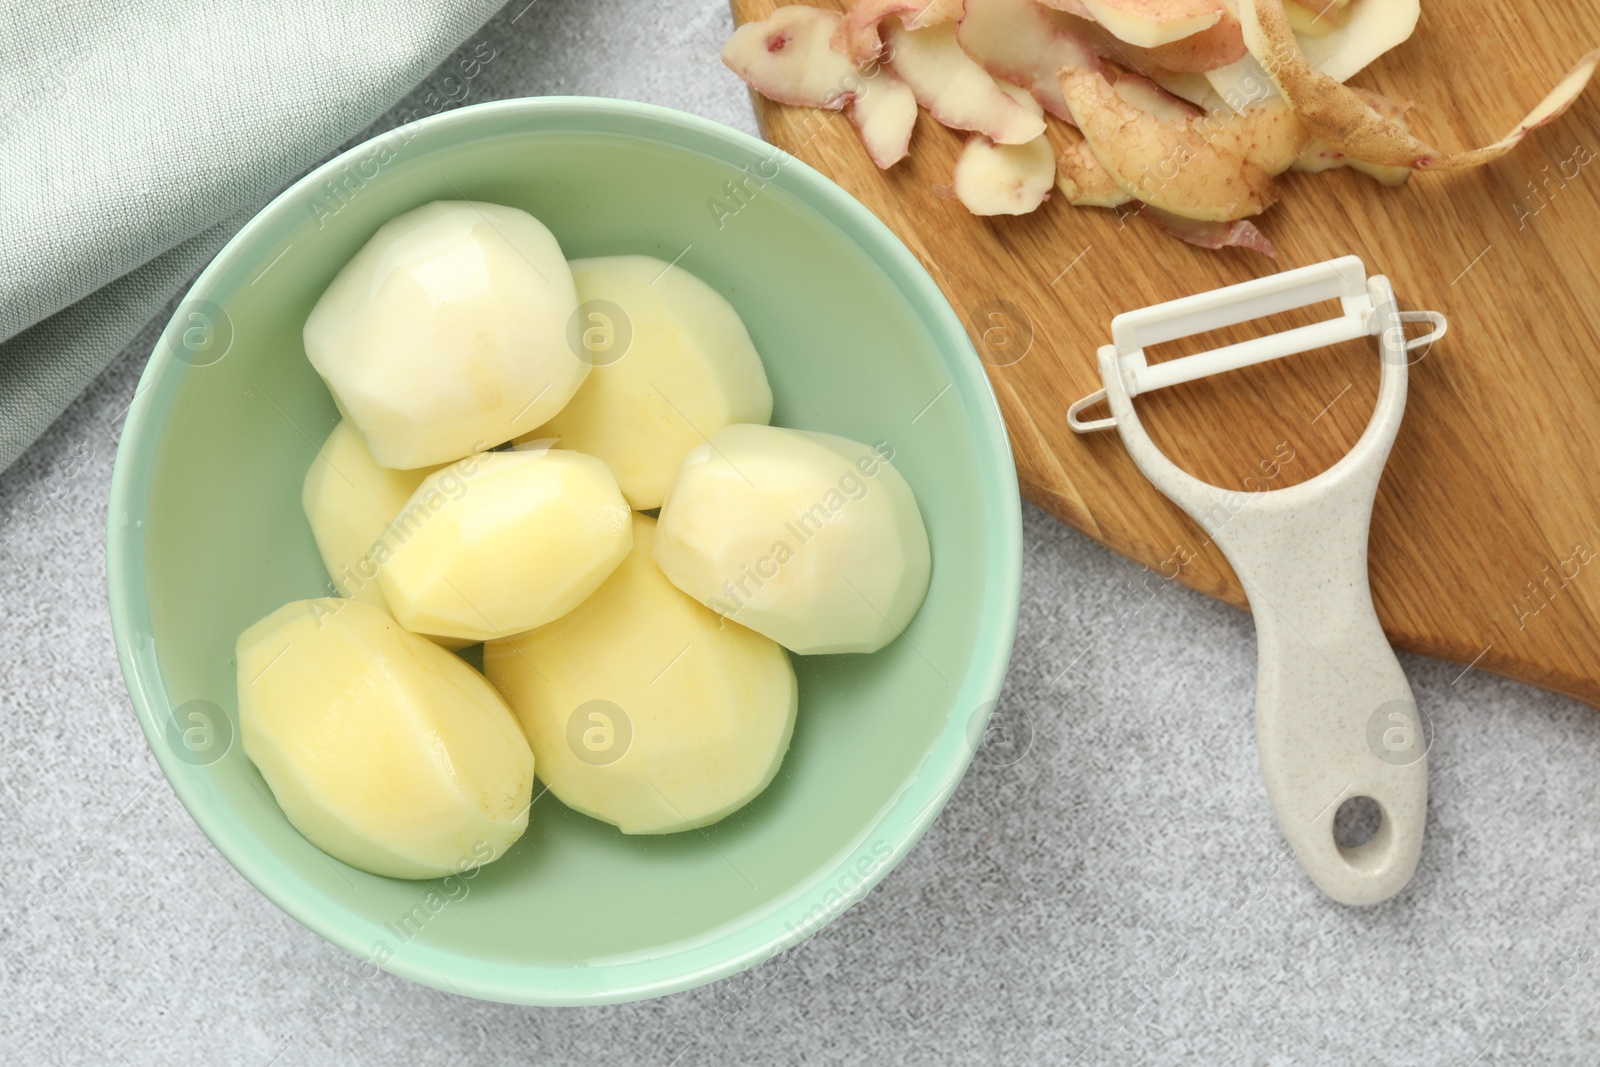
[[206, 536]]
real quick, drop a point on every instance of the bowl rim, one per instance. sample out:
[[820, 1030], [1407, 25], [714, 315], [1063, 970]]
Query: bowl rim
[[756, 935]]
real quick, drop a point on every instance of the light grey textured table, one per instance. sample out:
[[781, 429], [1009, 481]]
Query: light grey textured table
[[1119, 895]]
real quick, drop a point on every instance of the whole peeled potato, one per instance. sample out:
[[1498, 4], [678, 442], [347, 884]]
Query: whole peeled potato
[[643, 708], [811, 539], [383, 749], [501, 542], [673, 363], [447, 332]]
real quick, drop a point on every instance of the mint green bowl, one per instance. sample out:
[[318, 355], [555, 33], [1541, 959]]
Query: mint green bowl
[[206, 536]]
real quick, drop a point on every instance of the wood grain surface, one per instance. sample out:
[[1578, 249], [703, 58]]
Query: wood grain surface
[[1485, 542]]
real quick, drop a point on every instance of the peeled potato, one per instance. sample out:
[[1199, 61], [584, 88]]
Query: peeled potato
[[687, 370], [502, 542], [384, 750], [447, 333], [349, 500], [643, 708], [811, 539]]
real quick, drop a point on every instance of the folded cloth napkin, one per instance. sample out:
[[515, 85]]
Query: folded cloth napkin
[[137, 135]]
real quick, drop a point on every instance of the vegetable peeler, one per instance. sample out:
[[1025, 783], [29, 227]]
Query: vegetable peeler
[[1335, 716]]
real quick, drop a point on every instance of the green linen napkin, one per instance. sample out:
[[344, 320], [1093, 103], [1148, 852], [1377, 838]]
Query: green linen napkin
[[136, 137]]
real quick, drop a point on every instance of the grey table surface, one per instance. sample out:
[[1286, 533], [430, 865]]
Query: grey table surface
[[1120, 894]]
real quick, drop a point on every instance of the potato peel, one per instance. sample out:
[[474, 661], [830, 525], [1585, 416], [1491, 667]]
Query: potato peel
[[884, 111], [1084, 182], [1207, 50], [1147, 23], [1198, 172], [1344, 122], [1317, 157], [1018, 41], [859, 36], [1236, 234], [1271, 136], [1268, 136], [1218, 45], [786, 57], [1240, 233], [1147, 96], [1004, 179], [1146, 156], [789, 57], [954, 89]]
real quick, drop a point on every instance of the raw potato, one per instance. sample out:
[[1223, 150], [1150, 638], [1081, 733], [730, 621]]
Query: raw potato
[[502, 542], [349, 501], [384, 750], [689, 370], [643, 708], [447, 333], [811, 539]]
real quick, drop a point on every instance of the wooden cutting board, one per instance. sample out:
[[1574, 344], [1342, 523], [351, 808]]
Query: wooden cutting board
[[1486, 535]]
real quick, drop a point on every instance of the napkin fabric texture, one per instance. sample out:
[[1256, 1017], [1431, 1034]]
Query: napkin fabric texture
[[136, 137]]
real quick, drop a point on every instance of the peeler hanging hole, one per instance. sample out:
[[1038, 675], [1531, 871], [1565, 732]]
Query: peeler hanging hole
[[1080, 425], [1414, 349], [1356, 823]]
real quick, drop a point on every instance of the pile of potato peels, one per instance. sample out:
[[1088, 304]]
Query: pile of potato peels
[[1188, 109]]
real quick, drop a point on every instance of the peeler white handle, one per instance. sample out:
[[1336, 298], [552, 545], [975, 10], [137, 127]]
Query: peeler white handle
[[1335, 717]]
